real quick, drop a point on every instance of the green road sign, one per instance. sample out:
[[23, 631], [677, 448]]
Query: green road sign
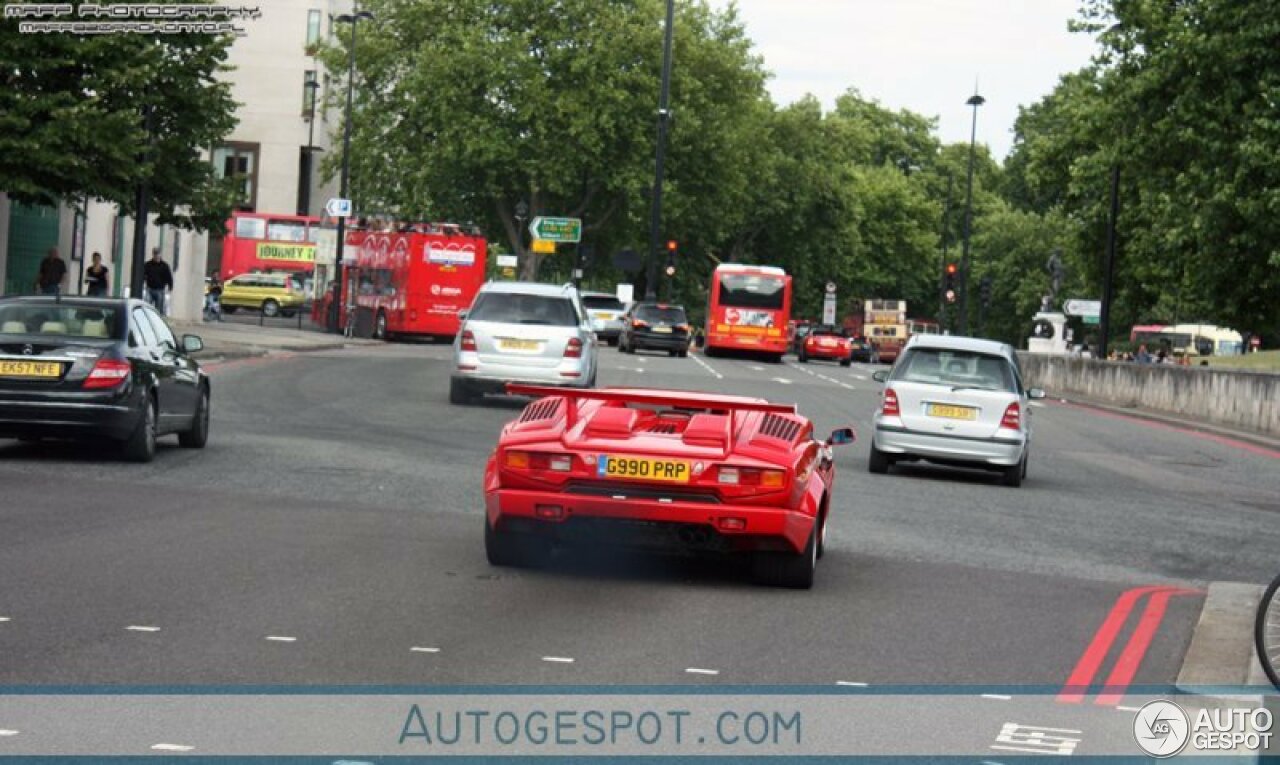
[[556, 229], [1092, 320]]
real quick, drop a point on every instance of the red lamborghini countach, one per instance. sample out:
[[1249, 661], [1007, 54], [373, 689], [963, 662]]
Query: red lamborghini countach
[[664, 470]]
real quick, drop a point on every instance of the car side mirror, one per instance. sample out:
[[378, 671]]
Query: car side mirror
[[462, 315], [881, 376], [1035, 393], [841, 436], [192, 343]]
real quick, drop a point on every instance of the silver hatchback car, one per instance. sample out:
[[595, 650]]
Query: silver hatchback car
[[954, 401], [521, 332], [606, 314]]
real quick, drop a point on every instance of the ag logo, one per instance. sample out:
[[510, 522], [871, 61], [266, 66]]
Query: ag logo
[[1161, 728]]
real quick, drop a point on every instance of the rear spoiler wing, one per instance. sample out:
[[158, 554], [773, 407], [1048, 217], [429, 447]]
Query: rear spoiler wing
[[674, 398]]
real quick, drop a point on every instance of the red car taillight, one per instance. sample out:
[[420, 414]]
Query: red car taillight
[[1012, 418], [638, 324], [107, 373], [890, 408], [561, 463], [736, 476], [468, 341], [573, 350]]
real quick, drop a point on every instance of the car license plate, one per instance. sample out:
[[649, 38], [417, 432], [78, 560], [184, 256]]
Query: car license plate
[[37, 369], [602, 316], [953, 412], [644, 468], [512, 344], [662, 330]]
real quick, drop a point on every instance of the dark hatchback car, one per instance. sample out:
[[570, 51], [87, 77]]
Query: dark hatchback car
[[655, 326], [83, 368], [863, 350]]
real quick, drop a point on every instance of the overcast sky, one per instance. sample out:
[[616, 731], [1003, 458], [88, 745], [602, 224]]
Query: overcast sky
[[922, 55]]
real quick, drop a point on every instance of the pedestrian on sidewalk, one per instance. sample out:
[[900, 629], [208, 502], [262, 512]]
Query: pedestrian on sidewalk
[[96, 277], [157, 277], [52, 272]]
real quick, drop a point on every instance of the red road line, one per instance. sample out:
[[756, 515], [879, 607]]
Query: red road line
[[1261, 451], [1127, 665], [1087, 667]]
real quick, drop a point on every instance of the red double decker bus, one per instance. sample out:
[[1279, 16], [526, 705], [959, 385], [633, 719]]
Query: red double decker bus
[[748, 310], [411, 282], [268, 242]]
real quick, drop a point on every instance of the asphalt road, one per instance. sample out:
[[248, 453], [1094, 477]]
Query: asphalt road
[[330, 533]]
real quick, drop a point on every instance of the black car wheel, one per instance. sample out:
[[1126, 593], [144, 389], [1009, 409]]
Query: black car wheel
[[140, 446], [270, 308], [504, 548], [1012, 476], [459, 392], [198, 435], [380, 326], [792, 570], [878, 462]]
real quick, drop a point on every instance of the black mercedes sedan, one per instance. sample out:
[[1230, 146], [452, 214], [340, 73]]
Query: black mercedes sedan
[[82, 368]]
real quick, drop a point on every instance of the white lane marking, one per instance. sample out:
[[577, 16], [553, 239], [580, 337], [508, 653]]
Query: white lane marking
[[8, 732], [860, 377], [851, 684], [1036, 404], [782, 380], [847, 386], [697, 671], [558, 659], [172, 747], [282, 638], [641, 359], [997, 696], [756, 368], [640, 370], [141, 628], [1128, 709], [4, 618], [698, 358], [424, 649]]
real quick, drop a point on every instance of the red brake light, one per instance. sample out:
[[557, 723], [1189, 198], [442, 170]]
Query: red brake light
[[468, 341], [637, 323], [1012, 417], [573, 350], [890, 408], [107, 373]]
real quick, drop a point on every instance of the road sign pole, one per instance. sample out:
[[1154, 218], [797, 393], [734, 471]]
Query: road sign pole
[[1108, 272]]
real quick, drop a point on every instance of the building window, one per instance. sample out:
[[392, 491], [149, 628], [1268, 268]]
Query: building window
[[239, 160], [313, 28], [309, 88]]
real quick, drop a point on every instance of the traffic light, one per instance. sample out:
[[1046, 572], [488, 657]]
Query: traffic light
[[949, 283], [673, 248]]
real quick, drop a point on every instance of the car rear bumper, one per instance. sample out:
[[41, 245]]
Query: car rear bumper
[[995, 452], [488, 376], [659, 341], [67, 417], [829, 354], [648, 523]]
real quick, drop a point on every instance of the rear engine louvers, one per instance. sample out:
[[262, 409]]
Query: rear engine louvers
[[545, 409], [780, 428]]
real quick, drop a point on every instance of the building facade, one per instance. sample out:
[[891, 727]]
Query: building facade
[[282, 131]]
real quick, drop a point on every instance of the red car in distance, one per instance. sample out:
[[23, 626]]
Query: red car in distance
[[672, 471], [829, 344]]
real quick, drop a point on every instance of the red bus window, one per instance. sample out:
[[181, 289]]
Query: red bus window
[[251, 228]]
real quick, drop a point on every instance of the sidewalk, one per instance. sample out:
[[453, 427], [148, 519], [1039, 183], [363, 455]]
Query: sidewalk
[[1252, 438], [226, 340]]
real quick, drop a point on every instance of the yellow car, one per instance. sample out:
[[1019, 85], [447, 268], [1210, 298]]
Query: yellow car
[[273, 294]]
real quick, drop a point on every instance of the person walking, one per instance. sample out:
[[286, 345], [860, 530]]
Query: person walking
[[97, 278], [52, 272], [157, 277]]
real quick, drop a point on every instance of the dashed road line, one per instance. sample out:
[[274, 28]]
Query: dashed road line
[[847, 386], [782, 380], [698, 358], [424, 649], [851, 684], [8, 732], [756, 368], [141, 628], [997, 696], [558, 659], [4, 618], [700, 671], [172, 747], [1128, 709], [282, 638]]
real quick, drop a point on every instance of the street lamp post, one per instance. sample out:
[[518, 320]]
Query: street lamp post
[[304, 199], [975, 101], [353, 19], [522, 213], [664, 117]]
